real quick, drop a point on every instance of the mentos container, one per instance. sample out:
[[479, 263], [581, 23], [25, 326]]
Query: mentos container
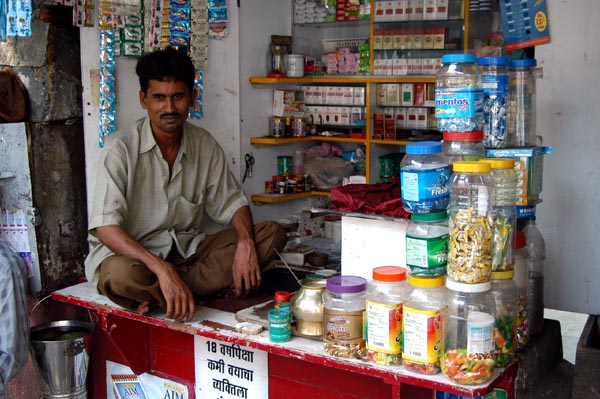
[[424, 176], [458, 98]]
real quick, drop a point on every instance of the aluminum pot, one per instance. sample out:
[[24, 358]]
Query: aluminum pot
[[307, 307]]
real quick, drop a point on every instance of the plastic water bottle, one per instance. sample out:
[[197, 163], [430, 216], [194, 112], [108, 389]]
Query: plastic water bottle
[[458, 98], [536, 253], [298, 163]]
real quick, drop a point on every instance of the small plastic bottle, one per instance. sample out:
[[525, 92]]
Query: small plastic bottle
[[504, 291], [422, 324], [536, 250], [470, 223], [468, 333], [424, 176], [463, 146], [385, 295], [458, 98], [344, 303], [298, 163], [427, 244]]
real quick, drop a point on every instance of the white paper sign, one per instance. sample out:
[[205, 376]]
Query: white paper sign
[[225, 370]]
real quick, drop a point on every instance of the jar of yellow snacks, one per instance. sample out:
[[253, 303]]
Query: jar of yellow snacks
[[470, 223]]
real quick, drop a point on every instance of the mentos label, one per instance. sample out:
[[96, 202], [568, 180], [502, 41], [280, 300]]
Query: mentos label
[[420, 186], [458, 103]]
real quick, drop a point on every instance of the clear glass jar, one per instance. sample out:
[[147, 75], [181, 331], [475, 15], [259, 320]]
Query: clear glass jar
[[470, 223], [521, 280], [424, 176], [422, 324], [463, 146], [458, 98], [522, 103], [468, 333], [504, 213], [493, 79], [504, 291], [344, 303], [427, 244], [385, 295]]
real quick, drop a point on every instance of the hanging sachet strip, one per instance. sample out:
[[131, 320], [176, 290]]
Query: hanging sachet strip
[[197, 111], [107, 97], [199, 33], [18, 18], [155, 25], [217, 19], [2, 21], [179, 27]]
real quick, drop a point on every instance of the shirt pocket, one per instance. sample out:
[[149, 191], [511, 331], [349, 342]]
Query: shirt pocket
[[186, 216]]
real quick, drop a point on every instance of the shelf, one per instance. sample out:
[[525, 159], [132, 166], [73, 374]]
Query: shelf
[[277, 198], [257, 80], [288, 140], [390, 142]]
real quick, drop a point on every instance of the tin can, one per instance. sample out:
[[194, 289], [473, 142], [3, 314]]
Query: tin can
[[298, 127], [276, 126]]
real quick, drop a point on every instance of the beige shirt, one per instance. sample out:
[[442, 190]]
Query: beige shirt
[[133, 191]]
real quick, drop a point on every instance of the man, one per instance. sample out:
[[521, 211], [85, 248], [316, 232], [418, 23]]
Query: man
[[154, 183]]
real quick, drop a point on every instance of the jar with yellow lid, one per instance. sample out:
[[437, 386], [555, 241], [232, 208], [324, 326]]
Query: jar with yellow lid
[[470, 223], [504, 214], [506, 297], [422, 324]]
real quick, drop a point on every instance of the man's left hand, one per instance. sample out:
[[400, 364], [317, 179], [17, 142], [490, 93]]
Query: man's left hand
[[246, 270]]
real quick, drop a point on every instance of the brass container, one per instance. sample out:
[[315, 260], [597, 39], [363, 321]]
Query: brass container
[[307, 307]]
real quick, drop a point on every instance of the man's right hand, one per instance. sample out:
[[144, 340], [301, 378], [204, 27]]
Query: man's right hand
[[180, 300]]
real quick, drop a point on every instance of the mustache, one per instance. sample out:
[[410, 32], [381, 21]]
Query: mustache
[[170, 115]]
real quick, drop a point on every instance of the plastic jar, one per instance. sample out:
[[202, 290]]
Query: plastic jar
[[344, 303], [424, 176], [468, 333], [385, 295], [504, 214], [458, 98], [493, 79], [294, 65], [470, 223], [521, 280], [422, 324], [504, 291], [522, 103], [282, 299], [463, 146], [427, 244]]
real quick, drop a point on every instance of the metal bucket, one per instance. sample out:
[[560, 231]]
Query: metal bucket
[[61, 354]]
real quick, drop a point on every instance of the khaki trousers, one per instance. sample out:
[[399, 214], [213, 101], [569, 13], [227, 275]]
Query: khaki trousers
[[128, 282]]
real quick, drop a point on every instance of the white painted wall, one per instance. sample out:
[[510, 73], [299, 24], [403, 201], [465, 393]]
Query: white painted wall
[[569, 120]]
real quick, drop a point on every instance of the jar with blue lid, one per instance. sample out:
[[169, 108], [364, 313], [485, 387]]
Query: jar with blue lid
[[522, 103], [424, 177], [458, 97], [493, 79]]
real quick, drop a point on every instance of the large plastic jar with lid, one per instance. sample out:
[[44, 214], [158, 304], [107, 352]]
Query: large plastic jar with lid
[[470, 223], [504, 291], [344, 304], [504, 214], [427, 244], [521, 280], [424, 176], [522, 103], [458, 98], [468, 333], [385, 295], [422, 324], [493, 79], [463, 146]]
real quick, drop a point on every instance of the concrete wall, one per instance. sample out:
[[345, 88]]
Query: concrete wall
[[568, 120]]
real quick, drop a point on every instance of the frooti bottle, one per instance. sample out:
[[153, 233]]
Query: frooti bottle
[[458, 97]]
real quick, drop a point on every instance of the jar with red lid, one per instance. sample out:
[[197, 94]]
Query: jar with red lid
[[279, 184], [463, 146], [385, 295]]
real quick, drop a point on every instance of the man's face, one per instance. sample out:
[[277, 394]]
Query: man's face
[[167, 103]]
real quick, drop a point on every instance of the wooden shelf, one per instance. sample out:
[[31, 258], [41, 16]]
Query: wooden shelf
[[277, 198], [346, 79], [288, 140]]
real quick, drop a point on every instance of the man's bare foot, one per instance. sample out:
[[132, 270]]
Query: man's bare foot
[[143, 307]]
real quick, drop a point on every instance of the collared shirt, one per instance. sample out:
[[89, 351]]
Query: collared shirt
[[14, 317], [134, 191]]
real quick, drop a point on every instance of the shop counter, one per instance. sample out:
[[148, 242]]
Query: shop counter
[[208, 358]]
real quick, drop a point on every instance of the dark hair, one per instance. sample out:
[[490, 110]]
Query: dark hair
[[165, 64]]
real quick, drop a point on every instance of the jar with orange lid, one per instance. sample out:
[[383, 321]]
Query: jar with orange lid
[[422, 317], [385, 296]]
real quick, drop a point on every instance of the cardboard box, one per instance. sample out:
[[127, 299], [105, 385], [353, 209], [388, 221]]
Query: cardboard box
[[288, 102]]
